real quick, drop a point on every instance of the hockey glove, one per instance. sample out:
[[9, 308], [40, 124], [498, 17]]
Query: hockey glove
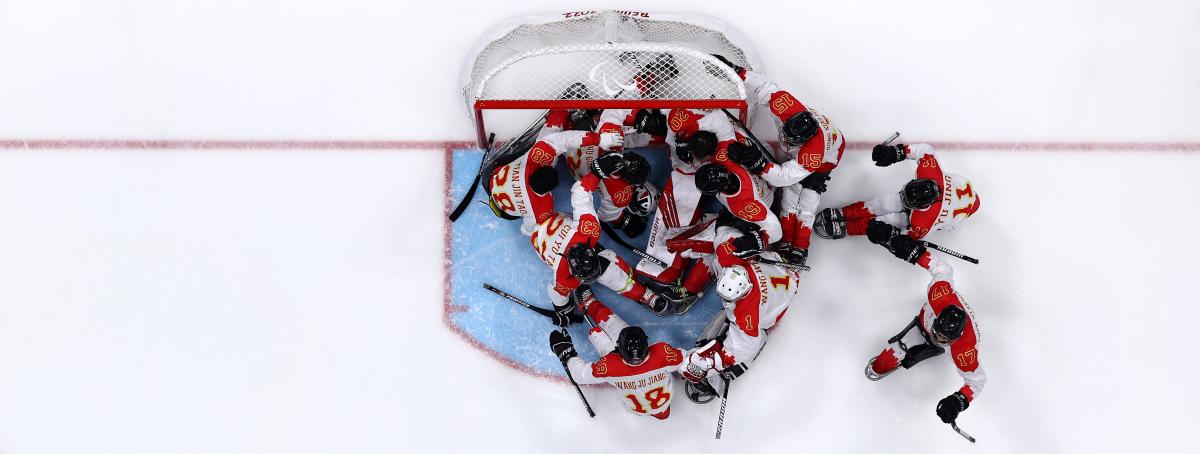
[[749, 245], [560, 344], [610, 140], [748, 156], [736, 68], [886, 155], [817, 181], [906, 248], [880, 232], [608, 165], [564, 315], [949, 407], [734, 371], [650, 121], [632, 224], [702, 359], [583, 120]]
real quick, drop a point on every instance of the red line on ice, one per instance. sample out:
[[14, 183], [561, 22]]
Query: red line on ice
[[289, 144], [448, 146]]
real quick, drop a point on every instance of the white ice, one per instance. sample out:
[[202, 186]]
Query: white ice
[[250, 301]]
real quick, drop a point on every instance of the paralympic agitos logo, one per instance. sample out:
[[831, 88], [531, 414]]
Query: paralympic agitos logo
[[612, 86]]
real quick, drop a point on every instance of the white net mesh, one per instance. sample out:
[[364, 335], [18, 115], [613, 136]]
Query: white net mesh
[[612, 55]]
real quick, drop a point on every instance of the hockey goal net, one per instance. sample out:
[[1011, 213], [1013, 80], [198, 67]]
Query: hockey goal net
[[622, 59]]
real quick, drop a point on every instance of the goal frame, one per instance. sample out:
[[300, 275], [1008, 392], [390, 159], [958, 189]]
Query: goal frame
[[475, 82]]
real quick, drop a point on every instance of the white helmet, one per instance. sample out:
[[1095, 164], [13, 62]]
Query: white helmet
[[733, 284]]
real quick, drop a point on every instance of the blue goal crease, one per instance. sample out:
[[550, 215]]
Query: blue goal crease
[[487, 249]]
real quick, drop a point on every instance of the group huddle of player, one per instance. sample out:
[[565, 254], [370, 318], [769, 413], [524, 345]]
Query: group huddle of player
[[753, 248]]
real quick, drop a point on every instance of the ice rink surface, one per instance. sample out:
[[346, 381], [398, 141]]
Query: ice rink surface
[[223, 232]]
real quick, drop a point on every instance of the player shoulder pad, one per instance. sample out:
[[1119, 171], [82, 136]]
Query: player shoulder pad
[[601, 368], [542, 154], [942, 295], [671, 356], [683, 122]]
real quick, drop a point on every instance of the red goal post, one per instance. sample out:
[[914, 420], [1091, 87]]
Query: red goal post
[[528, 63]]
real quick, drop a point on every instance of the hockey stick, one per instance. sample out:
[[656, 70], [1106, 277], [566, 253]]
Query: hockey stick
[[894, 136], [951, 252], [790, 266], [491, 156], [757, 143], [462, 204], [954, 425], [548, 314], [612, 234], [543, 312], [721, 415], [578, 391], [540, 311]]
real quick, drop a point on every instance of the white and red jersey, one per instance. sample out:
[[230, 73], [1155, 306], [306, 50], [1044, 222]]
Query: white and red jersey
[[774, 289], [646, 388], [752, 200], [558, 231], [622, 121], [509, 183], [958, 202], [749, 318], [682, 123], [823, 151], [964, 351], [578, 158]]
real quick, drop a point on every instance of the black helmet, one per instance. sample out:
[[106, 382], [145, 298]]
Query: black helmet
[[543, 180], [713, 178], [636, 169], [632, 345], [585, 262], [652, 122], [798, 129], [920, 193], [702, 144], [583, 119], [949, 324]]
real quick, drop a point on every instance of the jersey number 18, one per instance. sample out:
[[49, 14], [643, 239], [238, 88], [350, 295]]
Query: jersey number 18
[[654, 398]]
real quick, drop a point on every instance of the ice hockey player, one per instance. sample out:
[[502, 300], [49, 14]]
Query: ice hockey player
[[934, 200], [744, 195], [570, 246], [694, 138], [944, 321], [755, 295], [640, 371], [559, 120], [807, 138], [625, 202], [522, 189]]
